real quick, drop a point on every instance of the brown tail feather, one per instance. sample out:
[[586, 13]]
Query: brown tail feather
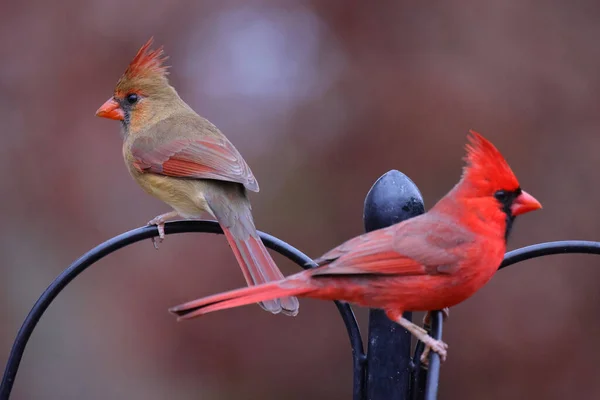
[[235, 298], [258, 267], [229, 204]]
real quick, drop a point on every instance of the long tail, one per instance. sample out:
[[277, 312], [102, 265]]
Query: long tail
[[235, 217], [235, 298]]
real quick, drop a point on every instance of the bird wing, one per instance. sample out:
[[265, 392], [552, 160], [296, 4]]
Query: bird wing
[[200, 156], [421, 246]]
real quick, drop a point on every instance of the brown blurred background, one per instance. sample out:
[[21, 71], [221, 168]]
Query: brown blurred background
[[321, 98]]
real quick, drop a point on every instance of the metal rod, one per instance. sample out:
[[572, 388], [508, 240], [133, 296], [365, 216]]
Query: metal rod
[[136, 235], [392, 199]]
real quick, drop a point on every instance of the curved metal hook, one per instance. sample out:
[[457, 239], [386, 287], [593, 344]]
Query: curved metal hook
[[550, 248], [136, 235]]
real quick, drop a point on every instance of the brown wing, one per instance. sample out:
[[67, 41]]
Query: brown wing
[[423, 245], [200, 156]]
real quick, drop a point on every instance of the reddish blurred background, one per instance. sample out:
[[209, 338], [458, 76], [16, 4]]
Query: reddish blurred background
[[321, 98]]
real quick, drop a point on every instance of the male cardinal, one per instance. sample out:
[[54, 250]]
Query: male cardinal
[[181, 158], [429, 262]]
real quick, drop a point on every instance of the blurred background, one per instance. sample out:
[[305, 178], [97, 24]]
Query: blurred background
[[321, 98]]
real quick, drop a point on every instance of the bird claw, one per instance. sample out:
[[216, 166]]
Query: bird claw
[[160, 225], [437, 346], [155, 242]]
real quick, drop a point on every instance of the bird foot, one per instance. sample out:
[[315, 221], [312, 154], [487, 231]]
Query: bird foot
[[437, 346], [161, 232], [159, 221], [421, 334]]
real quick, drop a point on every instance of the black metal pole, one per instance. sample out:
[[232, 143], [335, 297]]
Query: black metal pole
[[393, 198]]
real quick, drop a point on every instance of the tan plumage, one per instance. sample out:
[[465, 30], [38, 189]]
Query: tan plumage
[[184, 160]]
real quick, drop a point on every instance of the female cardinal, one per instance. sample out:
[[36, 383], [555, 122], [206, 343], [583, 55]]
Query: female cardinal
[[181, 158], [429, 262]]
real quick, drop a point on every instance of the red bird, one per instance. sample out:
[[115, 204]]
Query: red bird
[[429, 262], [182, 159]]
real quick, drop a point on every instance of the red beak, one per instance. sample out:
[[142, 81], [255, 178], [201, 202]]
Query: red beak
[[111, 110], [524, 203]]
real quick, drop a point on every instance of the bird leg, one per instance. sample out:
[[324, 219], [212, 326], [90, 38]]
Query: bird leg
[[427, 325], [427, 318], [159, 221], [430, 343]]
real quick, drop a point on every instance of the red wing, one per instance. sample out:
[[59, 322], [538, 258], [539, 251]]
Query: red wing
[[372, 242], [417, 247], [209, 157]]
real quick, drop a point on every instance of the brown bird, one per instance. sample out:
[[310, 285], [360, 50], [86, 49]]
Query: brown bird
[[184, 160]]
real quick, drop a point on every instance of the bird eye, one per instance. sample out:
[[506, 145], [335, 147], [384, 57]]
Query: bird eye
[[501, 195], [132, 98]]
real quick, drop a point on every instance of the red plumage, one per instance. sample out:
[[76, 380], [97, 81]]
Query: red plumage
[[430, 262], [209, 157]]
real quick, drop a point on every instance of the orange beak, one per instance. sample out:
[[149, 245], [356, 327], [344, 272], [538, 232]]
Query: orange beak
[[524, 203], [111, 110]]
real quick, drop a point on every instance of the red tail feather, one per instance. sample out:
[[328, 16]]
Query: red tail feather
[[235, 298]]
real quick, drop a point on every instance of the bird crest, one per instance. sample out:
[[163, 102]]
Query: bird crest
[[486, 168], [147, 63]]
